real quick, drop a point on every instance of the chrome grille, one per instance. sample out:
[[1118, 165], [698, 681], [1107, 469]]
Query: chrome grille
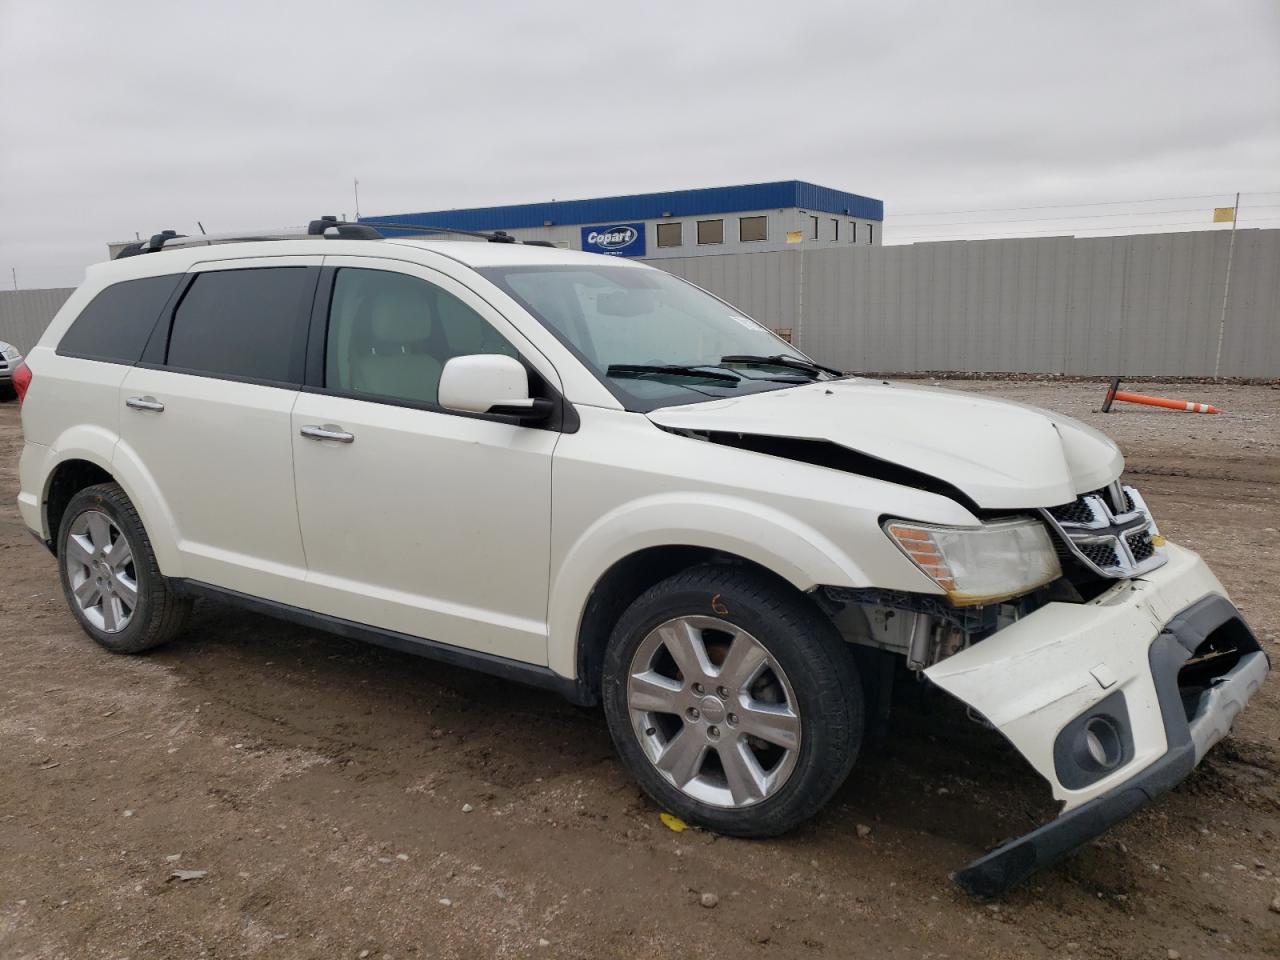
[[1110, 531]]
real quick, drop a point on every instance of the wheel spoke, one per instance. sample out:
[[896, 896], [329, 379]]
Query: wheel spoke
[[99, 533], [87, 593], [110, 613], [684, 642], [125, 589], [653, 693], [743, 663], [747, 782], [120, 554], [80, 549], [683, 757], [775, 723]]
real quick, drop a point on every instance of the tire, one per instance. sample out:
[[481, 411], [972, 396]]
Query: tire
[[7, 393], [120, 620], [812, 709]]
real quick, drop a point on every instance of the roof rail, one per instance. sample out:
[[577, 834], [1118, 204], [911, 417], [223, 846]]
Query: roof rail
[[497, 236], [330, 228]]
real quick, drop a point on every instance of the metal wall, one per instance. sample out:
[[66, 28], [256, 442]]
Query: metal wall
[[1139, 305], [25, 313]]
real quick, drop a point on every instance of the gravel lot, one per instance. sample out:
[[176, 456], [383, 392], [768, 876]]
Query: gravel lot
[[345, 799]]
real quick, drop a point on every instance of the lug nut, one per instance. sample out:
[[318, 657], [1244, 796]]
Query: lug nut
[[713, 732], [722, 693], [693, 713], [732, 718], [699, 689]]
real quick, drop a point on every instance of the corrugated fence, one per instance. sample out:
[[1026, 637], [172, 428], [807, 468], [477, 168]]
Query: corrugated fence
[[1137, 305], [1132, 305], [25, 313]]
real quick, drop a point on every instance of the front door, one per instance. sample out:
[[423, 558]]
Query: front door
[[414, 519]]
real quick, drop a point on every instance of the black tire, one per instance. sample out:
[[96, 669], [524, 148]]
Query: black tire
[[7, 393], [807, 647], [160, 614]]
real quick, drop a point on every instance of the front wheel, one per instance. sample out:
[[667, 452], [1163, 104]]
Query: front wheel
[[732, 700]]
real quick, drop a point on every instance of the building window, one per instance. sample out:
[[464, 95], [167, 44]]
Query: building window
[[871, 233], [753, 228], [815, 227], [710, 231], [670, 234], [835, 229], [853, 231]]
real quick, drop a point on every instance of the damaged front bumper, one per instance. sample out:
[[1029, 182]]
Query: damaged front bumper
[[1113, 701]]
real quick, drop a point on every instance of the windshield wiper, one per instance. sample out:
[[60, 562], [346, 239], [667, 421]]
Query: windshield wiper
[[703, 373], [782, 360]]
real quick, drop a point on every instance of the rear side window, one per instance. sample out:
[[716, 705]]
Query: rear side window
[[246, 324], [117, 322]]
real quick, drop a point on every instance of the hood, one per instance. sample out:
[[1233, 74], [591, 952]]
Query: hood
[[1001, 454]]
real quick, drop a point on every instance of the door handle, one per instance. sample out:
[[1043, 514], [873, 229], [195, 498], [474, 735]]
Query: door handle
[[330, 431], [145, 403]]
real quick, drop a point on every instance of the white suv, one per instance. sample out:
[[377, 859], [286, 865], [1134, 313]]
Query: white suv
[[583, 473]]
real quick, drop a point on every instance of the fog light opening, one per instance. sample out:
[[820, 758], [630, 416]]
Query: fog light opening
[[1102, 742]]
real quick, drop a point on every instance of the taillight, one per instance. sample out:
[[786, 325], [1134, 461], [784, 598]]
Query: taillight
[[21, 380]]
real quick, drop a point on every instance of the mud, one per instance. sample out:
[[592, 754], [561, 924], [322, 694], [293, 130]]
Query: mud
[[344, 798]]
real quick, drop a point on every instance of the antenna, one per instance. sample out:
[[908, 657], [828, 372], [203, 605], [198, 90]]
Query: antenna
[[355, 183], [201, 226]]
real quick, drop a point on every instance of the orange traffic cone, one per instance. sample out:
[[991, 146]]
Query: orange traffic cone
[[1115, 393]]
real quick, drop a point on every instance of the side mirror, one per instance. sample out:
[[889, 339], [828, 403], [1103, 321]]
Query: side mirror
[[490, 383]]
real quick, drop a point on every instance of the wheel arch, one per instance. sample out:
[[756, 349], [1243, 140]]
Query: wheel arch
[[96, 458], [623, 582], [708, 527]]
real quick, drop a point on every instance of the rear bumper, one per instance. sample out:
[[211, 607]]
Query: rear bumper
[[1188, 737]]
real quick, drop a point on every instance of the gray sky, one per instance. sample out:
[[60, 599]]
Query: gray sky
[[135, 116]]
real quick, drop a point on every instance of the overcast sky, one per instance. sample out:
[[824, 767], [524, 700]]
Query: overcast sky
[[135, 116]]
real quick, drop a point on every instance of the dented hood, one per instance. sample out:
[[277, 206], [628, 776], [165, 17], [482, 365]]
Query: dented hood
[[1001, 454]]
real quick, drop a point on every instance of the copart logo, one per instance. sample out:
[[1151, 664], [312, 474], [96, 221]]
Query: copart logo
[[612, 238]]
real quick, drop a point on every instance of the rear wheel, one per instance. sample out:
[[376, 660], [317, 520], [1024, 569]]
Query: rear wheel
[[109, 574], [732, 700]]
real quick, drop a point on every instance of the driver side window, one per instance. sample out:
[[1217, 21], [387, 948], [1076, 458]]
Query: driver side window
[[390, 335]]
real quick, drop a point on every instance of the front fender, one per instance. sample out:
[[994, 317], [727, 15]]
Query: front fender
[[795, 551]]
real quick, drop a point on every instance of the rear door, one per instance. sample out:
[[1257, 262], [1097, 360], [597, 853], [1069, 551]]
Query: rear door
[[206, 414], [416, 519]]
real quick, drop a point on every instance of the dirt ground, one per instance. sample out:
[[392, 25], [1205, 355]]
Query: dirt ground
[[351, 802]]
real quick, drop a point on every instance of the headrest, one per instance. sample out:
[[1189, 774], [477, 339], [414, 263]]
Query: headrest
[[400, 315], [464, 331]]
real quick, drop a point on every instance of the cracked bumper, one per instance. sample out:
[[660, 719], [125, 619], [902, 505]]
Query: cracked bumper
[[1121, 656]]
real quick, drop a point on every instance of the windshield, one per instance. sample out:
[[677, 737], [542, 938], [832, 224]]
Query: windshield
[[653, 339]]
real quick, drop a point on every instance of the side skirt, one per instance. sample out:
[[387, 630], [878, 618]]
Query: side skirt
[[503, 667]]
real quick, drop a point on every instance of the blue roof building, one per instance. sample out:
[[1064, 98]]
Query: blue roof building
[[677, 223]]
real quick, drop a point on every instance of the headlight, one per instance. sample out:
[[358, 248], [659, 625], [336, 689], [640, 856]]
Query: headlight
[[977, 565]]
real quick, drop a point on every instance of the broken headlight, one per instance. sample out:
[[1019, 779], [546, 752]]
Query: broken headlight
[[977, 565]]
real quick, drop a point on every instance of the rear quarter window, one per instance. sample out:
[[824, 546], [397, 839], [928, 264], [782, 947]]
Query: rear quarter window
[[117, 322]]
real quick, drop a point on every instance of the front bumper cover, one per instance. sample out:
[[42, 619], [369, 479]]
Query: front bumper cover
[[1190, 730]]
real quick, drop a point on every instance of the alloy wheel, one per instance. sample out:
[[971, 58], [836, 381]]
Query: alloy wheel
[[100, 570], [713, 711]]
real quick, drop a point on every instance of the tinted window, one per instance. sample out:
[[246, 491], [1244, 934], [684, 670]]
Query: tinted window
[[242, 323], [116, 323], [390, 335]]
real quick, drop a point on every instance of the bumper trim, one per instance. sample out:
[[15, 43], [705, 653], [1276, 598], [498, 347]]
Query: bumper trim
[[993, 874]]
